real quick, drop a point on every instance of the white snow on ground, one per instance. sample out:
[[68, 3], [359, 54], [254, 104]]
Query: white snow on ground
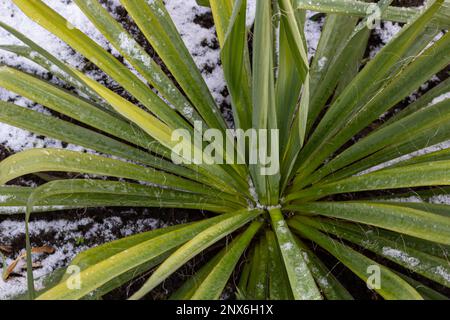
[[313, 30], [386, 31], [69, 239], [18, 139], [199, 40]]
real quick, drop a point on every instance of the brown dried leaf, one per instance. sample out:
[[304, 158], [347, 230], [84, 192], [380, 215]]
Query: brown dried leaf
[[13, 265], [5, 249], [44, 249]]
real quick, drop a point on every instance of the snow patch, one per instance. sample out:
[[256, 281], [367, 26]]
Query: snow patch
[[322, 62], [440, 99], [313, 30], [69, 238], [386, 31], [401, 256], [443, 273], [434, 148]]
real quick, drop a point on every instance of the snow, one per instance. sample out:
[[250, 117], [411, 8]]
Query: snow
[[430, 149], [388, 31], [385, 31], [282, 228], [440, 99], [14, 138], [287, 246], [68, 239], [313, 30], [401, 256], [199, 42], [440, 199], [3, 199], [251, 12], [130, 47], [12, 16], [188, 112], [440, 271], [322, 62], [412, 199]]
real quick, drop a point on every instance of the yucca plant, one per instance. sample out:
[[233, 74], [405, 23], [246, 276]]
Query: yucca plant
[[272, 228]]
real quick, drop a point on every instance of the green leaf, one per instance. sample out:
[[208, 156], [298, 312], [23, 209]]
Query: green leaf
[[96, 255], [440, 155], [392, 286], [413, 222], [212, 286], [331, 288], [360, 9], [430, 137], [279, 288], [431, 248], [61, 101], [325, 138], [52, 127], [42, 160], [42, 57], [204, 3], [294, 36], [189, 287], [335, 52], [426, 292], [417, 175], [431, 267], [264, 113], [155, 23], [113, 193], [138, 57], [59, 26], [301, 280], [422, 102], [422, 123], [432, 60], [219, 175], [13, 200], [257, 286], [287, 90], [235, 62], [222, 11], [101, 272], [296, 42], [241, 289], [199, 243]]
